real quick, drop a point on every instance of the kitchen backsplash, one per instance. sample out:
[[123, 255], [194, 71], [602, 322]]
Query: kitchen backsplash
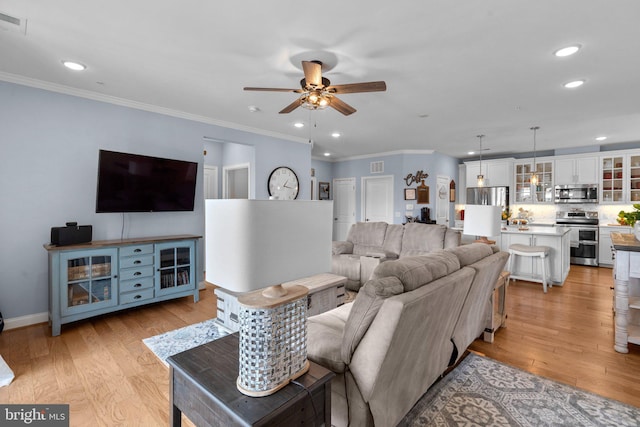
[[607, 214]]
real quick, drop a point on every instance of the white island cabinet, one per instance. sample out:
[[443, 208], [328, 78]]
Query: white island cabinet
[[605, 245], [626, 295], [557, 238]]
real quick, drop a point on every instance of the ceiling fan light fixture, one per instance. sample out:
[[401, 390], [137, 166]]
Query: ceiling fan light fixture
[[315, 100]]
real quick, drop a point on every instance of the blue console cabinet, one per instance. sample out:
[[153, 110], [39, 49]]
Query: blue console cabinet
[[99, 277]]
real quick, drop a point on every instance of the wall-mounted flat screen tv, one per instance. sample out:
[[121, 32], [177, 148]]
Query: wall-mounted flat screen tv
[[136, 183]]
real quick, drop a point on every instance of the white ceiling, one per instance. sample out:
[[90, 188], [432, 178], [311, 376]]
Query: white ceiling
[[454, 68]]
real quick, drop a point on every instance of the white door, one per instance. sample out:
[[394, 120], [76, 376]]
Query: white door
[[377, 199], [344, 207], [442, 200], [210, 182]]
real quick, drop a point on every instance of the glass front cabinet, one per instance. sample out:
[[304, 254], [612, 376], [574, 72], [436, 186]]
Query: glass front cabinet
[[89, 279], [634, 175], [542, 192], [175, 271], [612, 179]]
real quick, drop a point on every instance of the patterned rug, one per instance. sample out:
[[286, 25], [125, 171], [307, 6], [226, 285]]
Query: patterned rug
[[483, 392], [179, 340]]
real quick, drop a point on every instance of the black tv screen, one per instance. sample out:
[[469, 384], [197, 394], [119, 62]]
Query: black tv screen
[[136, 183]]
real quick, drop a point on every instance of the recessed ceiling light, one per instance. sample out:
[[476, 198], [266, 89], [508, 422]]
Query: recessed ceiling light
[[253, 108], [601, 138], [336, 134], [327, 154], [75, 66], [574, 84], [299, 125], [471, 152], [567, 51]]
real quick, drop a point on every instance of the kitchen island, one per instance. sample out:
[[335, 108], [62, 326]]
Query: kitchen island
[[557, 238], [626, 295]]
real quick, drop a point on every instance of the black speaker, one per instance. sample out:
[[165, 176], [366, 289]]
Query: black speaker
[[72, 234]]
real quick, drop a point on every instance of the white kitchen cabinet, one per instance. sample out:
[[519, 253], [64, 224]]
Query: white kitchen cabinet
[[572, 170], [496, 173], [634, 177], [612, 178], [543, 191], [605, 246]]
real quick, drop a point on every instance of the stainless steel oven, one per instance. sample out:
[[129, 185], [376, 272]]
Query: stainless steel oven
[[583, 235]]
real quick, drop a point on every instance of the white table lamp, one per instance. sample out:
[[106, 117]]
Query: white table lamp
[[482, 221], [252, 247]]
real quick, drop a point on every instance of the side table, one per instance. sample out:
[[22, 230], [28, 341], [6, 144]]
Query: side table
[[326, 292], [497, 307], [202, 385]]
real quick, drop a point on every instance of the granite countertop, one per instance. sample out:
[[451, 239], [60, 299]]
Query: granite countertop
[[539, 230], [625, 242]]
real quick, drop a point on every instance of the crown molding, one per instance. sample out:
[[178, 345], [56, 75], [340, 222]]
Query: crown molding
[[95, 96], [381, 154]]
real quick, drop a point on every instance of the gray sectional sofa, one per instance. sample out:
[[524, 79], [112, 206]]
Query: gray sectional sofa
[[406, 326], [370, 243]]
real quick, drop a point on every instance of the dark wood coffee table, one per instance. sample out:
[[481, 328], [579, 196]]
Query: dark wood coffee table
[[202, 385]]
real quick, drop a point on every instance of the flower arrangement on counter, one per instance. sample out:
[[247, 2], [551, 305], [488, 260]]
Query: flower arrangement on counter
[[629, 218]]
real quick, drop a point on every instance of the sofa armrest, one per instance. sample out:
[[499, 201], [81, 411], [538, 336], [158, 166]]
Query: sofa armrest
[[368, 264], [341, 247]]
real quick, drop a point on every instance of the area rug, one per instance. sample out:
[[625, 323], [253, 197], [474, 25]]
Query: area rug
[[483, 392], [179, 340]]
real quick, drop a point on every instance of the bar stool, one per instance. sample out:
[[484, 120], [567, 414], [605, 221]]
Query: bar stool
[[541, 252]]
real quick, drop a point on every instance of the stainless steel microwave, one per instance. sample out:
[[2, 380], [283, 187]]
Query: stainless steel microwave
[[577, 193]]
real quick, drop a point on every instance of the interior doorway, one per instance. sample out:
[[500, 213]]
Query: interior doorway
[[236, 181]]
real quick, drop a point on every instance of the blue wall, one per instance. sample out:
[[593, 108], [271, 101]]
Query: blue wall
[[48, 170], [399, 166]]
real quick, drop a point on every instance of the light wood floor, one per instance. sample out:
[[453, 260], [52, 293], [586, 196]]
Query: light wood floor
[[109, 377]]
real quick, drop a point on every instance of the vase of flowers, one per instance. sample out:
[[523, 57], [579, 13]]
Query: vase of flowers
[[631, 218]]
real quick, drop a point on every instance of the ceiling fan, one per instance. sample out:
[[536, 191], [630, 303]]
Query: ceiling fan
[[318, 92]]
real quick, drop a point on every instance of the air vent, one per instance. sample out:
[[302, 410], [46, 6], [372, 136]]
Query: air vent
[[376, 167], [11, 23]]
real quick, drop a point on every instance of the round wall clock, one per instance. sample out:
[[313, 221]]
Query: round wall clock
[[283, 184]]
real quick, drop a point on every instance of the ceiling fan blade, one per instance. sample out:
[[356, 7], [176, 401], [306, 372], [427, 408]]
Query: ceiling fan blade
[[312, 73], [341, 106], [289, 108], [358, 87], [273, 89]]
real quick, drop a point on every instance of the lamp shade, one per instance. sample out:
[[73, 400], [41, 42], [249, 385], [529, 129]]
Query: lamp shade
[[252, 244], [482, 220]]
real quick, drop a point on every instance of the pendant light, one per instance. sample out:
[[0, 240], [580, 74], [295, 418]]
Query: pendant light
[[480, 176], [534, 177]]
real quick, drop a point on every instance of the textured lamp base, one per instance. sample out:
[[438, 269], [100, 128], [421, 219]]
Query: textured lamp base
[[273, 341]]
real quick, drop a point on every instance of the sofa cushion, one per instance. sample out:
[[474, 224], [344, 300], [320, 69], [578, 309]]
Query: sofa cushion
[[393, 241], [364, 310], [340, 247], [474, 252], [327, 330], [367, 237], [416, 271], [420, 239]]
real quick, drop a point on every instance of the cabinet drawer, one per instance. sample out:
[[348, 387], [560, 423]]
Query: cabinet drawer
[[136, 285], [136, 273], [136, 261], [136, 296], [136, 250]]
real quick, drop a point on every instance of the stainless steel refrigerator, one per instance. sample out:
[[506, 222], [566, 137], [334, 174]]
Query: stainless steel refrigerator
[[496, 196]]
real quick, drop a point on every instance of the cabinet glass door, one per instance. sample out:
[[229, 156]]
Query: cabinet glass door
[[523, 182], [634, 182], [612, 179], [175, 266], [543, 190], [90, 280]]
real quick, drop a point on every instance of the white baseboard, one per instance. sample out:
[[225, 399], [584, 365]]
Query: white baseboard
[[30, 319]]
